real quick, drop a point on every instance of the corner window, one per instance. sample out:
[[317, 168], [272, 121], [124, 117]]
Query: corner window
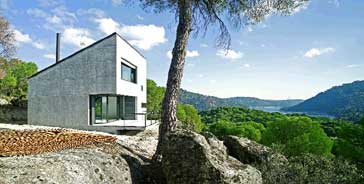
[[128, 73]]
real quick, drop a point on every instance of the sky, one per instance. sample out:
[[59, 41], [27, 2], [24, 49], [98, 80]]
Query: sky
[[284, 57]]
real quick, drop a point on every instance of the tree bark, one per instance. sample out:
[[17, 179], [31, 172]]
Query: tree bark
[[175, 73]]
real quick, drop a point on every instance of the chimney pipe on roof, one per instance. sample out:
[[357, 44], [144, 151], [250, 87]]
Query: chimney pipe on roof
[[58, 46]]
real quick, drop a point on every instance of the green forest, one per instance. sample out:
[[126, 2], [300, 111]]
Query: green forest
[[318, 148]]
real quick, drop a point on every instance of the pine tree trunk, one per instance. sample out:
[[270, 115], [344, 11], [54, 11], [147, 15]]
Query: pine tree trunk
[[175, 73]]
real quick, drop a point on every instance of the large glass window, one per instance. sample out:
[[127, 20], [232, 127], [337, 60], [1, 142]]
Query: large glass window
[[128, 73], [106, 108]]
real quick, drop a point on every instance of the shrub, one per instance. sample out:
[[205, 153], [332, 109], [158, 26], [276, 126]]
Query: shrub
[[250, 130], [298, 135]]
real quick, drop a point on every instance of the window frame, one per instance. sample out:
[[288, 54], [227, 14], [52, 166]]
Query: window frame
[[126, 63]]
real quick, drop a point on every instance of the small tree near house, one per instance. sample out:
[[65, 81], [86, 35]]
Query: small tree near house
[[7, 39]]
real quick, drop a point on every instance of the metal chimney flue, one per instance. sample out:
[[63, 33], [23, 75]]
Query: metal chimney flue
[[58, 46]]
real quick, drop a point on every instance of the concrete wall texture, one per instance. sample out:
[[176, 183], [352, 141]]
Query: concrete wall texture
[[59, 95]]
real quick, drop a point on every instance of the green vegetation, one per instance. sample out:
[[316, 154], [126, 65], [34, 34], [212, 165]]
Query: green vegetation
[[296, 136], [186, 114], [327, 141], [13, 79], [154, 100], [189, 117], [238, 115], [309, 168], [350, 142], [250, 130], [346, 102]]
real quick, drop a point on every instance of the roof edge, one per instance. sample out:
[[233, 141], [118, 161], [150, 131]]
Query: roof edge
[[130, 45], [98, 41]]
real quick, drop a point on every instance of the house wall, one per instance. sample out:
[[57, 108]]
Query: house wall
[[59, 96], [124, 51]]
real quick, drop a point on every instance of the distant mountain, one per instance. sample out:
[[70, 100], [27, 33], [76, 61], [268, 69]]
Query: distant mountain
[[204, 102], [345, 101]]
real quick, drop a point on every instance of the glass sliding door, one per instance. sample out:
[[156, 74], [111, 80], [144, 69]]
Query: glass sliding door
[[100, 109], [108, 108], [112, 108], [129, 105]]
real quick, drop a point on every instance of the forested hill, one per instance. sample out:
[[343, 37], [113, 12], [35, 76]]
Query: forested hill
[[204, 102], [345, 101]]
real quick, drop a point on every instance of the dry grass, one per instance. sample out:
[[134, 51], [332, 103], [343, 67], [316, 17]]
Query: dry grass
[[29, 142]]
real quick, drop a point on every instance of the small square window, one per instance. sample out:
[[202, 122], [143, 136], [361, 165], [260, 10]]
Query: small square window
[[144, 105]]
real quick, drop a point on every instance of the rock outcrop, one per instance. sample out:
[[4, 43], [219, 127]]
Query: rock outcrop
[[189, 157], [271, 164], [91, 164]]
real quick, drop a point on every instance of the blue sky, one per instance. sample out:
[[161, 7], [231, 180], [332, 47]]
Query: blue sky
[[297, 56]]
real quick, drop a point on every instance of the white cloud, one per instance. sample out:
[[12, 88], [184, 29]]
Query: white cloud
[[249, 29], [47, 3], [246, 65], [262, 25], [37, 13], [49, 56], [336, 3], [243, 43], [352, 66], [25, 38], [91, 11], [203, 45], [77, 36], [54, 19], [107, 25], [59, 18], [189, 54], [38, 45], [142, 36], [169, 54], [140, 17], [116, 2], [65, 15], [229, 54], [212, 81], [318, 51], [193, 53], [22, 38]]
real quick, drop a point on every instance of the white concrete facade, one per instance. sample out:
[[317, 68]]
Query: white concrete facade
[[60, 95]]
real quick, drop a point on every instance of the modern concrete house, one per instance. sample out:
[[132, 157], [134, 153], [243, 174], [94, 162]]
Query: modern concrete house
[[100, 87]]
